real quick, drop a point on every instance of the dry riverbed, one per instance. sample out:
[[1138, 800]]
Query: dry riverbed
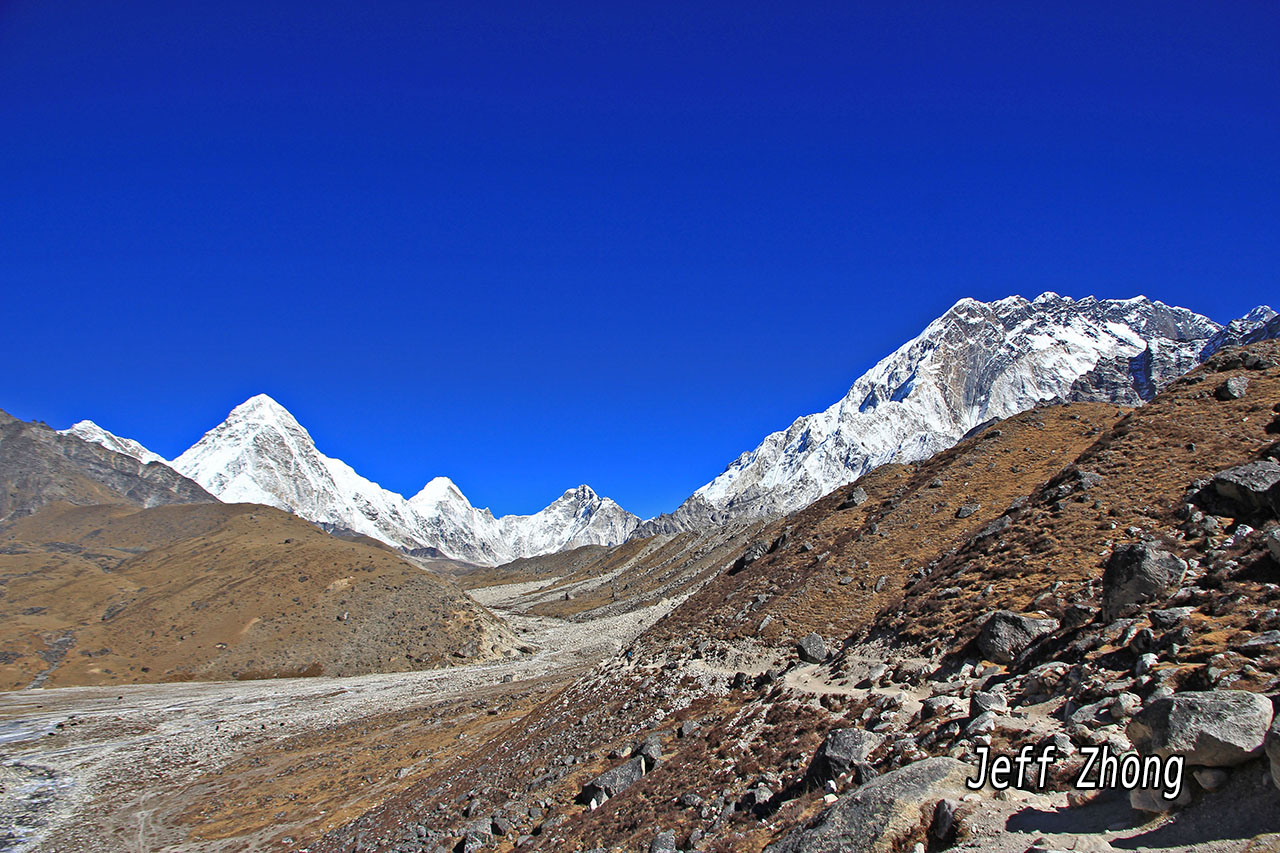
[[259, 765]]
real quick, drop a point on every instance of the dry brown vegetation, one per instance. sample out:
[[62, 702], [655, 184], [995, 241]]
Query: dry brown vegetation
[[114, 594]]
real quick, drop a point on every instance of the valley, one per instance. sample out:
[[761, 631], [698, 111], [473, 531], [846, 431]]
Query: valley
[[813, 666]]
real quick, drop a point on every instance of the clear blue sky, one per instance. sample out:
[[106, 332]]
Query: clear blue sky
[[529, 245]]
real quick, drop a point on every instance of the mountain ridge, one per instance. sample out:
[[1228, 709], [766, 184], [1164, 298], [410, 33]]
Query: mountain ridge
[[977, 362]]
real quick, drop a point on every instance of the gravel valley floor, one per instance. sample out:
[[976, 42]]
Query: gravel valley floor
[[247, 765]]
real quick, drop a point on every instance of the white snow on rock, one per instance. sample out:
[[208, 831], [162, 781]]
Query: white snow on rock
[[977, 362], [89, 431], [261, 454]]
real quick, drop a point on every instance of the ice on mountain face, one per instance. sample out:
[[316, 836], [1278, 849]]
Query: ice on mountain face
[[89, 431], [261, 454], [977, 362]]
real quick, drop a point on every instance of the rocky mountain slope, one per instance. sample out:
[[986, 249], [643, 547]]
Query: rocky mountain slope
[[39, 466], [89, 431], [977, 362], [261, 454], [1076, 576]]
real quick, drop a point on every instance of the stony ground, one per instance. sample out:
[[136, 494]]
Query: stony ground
[[251, 765]]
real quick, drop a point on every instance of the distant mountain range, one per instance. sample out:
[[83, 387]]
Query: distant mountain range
[[261, 454], [976, 363]]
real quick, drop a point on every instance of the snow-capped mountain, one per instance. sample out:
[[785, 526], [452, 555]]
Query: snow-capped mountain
[[89, 431], [261, 454], [976, 362]]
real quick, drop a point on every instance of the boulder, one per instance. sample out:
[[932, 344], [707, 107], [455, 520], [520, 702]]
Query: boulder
[[885, 815], [812, 649], [650, 749], [967, 510], [1273, 545], [1137, 574], [1005, 634], [842, 749], [1252, 486], [855, 498], [663, 842], [1233, 389], [612, 782], [982, 701], [1273, 750], [1215, 728]]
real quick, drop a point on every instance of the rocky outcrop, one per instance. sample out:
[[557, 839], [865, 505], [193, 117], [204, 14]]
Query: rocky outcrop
[[614, 781], [885, 815], [1138, 574], [1252, 487], [1004, 635], [1217, 728], [39, 466], [842, 749], [812, 649]]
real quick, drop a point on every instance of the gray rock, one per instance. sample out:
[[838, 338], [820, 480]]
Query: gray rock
[[1233, 389], [982, 701], [842, 748], [614, 781], [983, 724], [855, 498], [944, 819], [884, 815], [1210, 778], [883, 579], [1005, 635], [1137, 574], [812, 649], [663, 842], [650, 749], [688, 728], [1125, 706], [1252, 486], [1216, 728], [1273, 750], [1262, 644], [967, 510], [1152, 800], [1170, 618], [942, 706], [1273, 545]]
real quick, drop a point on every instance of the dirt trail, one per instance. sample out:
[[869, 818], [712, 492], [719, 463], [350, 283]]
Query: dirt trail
[[93, 767]]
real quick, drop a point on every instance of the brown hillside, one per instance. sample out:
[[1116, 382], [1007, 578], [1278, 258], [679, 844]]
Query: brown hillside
[[112, 594], [824, 565], [1150, 465]]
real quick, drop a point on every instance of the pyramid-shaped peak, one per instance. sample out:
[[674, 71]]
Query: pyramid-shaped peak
[[439, 490], [261, 408]]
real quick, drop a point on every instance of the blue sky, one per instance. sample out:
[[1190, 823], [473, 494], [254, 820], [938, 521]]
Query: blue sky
[[533, 245]]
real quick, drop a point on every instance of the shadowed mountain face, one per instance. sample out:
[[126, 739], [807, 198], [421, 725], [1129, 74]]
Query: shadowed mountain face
[[39, 466]]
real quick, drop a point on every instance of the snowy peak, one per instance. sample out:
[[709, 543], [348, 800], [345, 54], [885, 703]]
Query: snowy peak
[[978, 361], [89, 431], [261, 454], [263, 410], [439, 490]]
